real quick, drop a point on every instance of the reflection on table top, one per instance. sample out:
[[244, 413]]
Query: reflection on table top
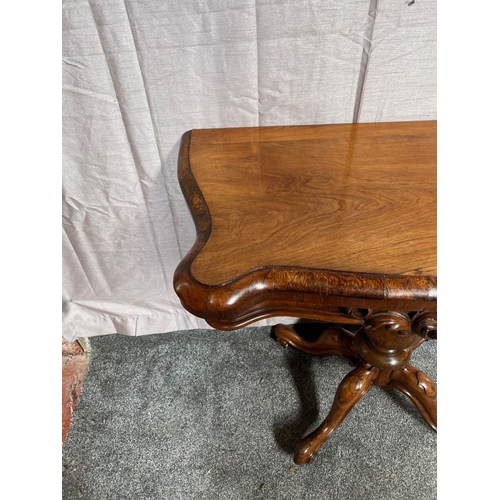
[[356, 198]]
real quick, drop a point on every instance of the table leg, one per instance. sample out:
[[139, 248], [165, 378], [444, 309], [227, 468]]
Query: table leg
[[381, 350], [420, 389], [334, 341], [354, 385]]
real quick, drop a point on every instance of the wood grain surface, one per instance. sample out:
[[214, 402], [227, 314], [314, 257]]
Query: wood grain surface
[[309, 221], [352, 198], [330, 222]]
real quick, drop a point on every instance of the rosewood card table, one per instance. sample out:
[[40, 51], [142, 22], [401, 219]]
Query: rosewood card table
[[331, 223]]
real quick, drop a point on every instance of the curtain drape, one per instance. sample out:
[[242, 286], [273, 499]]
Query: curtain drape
[[137, 74]]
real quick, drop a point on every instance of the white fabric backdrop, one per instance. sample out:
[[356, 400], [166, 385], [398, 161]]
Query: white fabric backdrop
[[137, 74]]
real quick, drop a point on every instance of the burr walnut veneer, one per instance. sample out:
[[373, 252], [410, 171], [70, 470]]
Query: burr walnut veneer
[[334, 223]]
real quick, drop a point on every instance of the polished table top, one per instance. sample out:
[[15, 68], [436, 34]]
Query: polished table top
[[342, 210]]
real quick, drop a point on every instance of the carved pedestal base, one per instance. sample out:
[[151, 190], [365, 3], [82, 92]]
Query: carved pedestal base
[[380, 351]]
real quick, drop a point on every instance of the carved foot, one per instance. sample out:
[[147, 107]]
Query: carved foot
[[333, 341], [420, 389], [351, 389]]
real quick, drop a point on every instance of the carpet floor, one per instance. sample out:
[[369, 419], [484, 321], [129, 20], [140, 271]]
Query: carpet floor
[[206, 414]]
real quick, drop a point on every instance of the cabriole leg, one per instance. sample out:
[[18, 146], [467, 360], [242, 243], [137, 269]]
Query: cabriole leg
[[381, 350], [350, 391]]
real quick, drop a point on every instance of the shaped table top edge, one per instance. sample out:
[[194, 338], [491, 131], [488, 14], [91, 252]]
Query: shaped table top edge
[[277, 291]]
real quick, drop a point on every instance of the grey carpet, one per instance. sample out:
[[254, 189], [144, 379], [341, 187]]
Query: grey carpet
[[205, 414]]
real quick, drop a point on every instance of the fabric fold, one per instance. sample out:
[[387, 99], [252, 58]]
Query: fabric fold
[[137, 75]]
